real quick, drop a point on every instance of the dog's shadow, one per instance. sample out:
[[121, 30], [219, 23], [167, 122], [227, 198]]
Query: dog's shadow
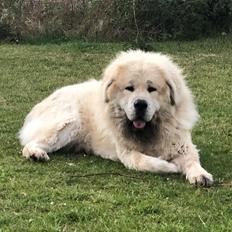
[[82, 166]]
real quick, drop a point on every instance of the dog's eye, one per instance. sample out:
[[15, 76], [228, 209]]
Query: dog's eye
[[130, 88], [151, 89]]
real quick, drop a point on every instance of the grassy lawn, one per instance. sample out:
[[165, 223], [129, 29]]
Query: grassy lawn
[[65, 195]]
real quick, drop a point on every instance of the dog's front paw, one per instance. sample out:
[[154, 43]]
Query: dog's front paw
[[173, 168], [200, 177], [35, 154]]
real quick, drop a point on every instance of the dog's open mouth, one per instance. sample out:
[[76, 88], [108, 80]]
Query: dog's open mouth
[[140, 130], [139, 124]]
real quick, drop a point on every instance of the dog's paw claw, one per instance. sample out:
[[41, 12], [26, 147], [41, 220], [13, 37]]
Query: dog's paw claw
[[35, 154], [205, 181], [202, 180], [34, 158], [41, 158]]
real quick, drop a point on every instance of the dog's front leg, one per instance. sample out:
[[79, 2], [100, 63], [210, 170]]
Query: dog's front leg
[[139, 161], [189, 164]]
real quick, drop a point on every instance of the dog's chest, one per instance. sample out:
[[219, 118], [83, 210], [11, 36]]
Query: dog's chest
[[169, 146], [164, 153]]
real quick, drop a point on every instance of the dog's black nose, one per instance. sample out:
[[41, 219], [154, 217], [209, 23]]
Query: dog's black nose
[[140, 105]]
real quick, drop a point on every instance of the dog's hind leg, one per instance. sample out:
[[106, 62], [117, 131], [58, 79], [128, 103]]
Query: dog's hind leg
[[47, 138]]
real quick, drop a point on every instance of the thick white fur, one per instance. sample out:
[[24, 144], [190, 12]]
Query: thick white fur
[[79, 114]]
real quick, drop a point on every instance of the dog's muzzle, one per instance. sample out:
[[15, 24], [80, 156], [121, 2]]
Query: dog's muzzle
[[140, 107]]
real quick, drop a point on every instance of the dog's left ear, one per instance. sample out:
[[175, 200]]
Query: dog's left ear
[[171, 92]]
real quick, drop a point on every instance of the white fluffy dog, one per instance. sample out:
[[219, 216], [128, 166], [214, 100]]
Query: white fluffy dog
[[141, 113]]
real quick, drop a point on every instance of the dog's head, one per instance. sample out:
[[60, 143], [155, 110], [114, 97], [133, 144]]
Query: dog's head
[[138, 86]]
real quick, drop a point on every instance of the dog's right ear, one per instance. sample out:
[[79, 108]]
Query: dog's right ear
[[108, 86], [110, 80]]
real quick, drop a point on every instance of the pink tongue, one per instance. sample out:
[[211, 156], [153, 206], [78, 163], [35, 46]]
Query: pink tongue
[[139, 124]]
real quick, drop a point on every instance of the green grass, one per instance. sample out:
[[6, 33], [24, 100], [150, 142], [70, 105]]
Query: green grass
[[54, 197]]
